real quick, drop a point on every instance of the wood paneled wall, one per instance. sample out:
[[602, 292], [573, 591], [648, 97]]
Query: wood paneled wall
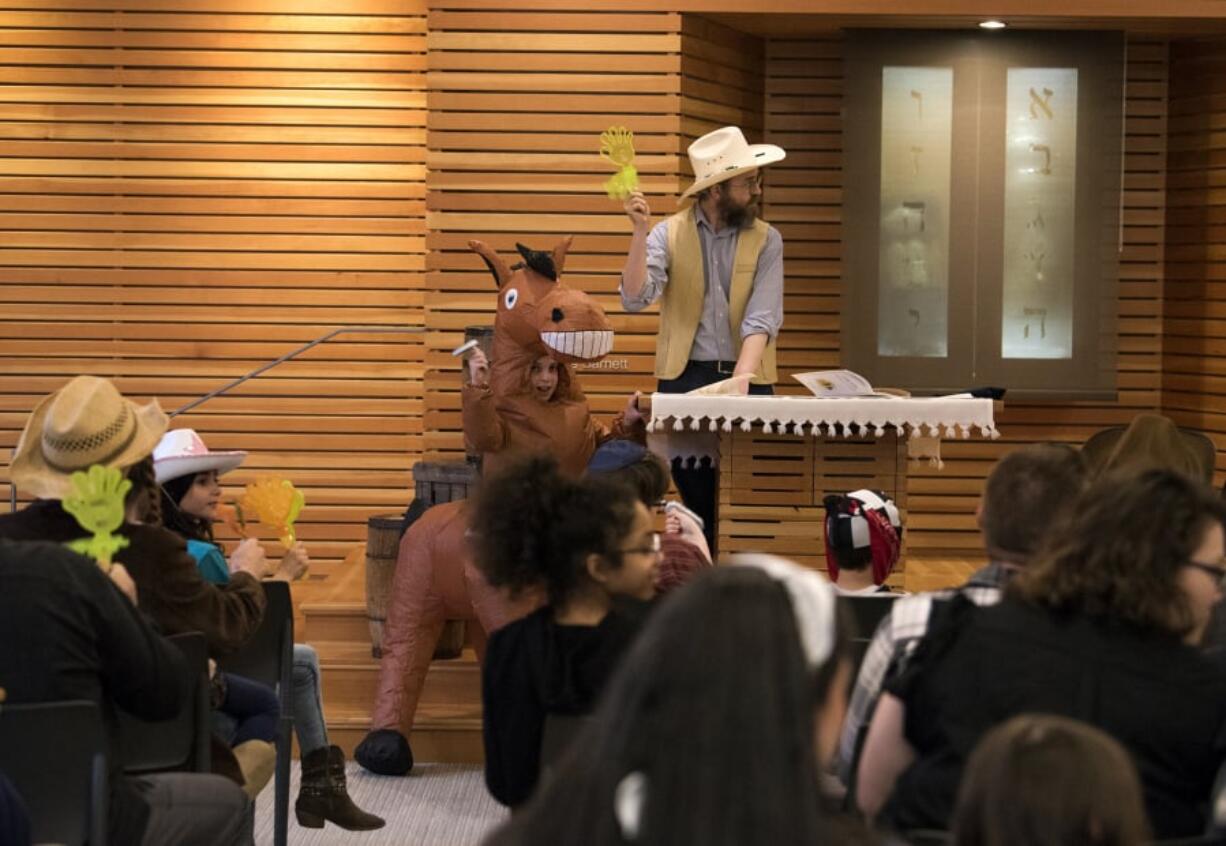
[[517, 104], [1194, 360], [194, 187]]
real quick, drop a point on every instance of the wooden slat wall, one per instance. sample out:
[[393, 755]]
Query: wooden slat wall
[[803, 87], [1194, 360], [194, 187], [517, 104]]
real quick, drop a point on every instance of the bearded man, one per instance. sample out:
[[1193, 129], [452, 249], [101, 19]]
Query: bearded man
[[718, 270]]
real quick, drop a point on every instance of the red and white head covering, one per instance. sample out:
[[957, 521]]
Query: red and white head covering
[[182, 453], [862, 528]]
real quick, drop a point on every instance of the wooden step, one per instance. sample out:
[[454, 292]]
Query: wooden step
[[350, 677], [441, 734], [334, 621]]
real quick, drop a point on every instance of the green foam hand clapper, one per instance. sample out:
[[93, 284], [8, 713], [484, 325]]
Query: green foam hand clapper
[[97, 503], [617, 148]]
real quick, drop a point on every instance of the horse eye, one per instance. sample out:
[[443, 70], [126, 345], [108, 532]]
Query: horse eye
[[511, 298]]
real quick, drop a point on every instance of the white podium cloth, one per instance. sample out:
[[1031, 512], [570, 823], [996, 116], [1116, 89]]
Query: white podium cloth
[[686, 425]]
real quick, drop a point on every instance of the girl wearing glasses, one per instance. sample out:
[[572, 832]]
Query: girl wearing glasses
[[590, 549]]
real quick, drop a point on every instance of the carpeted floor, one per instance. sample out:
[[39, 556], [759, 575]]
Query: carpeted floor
[[438, 805]]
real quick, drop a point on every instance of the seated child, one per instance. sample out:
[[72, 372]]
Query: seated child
[[683, 546], [591, 549], [188, 475], [863, 542]]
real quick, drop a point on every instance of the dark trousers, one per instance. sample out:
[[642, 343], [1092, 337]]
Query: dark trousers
[[696, 480], [254, 708]]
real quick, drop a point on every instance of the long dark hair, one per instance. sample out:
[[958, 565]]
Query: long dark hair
[[1121, 554], [535, 527], [1043, 780], [714, 706], [175, 518], [144, 492]]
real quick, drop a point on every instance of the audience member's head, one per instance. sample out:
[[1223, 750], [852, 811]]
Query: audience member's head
[[1143, 549], [1153, 442], [1028, 494], [633, 465], [1043, 780], [85, 423], [187, 474], [863, 531], [717, 725], [536, 529]]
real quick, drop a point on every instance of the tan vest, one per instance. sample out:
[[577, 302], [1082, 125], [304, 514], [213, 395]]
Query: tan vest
[[681, 305]]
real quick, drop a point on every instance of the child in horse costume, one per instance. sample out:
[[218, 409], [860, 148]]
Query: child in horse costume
[[435, 577]]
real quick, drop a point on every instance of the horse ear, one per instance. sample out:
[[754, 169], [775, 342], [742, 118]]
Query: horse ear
[[539, 261], [493, 261], [560, 251]]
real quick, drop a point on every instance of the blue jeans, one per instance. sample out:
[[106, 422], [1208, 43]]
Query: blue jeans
[[308, 705], [308, 700], [696, 481]]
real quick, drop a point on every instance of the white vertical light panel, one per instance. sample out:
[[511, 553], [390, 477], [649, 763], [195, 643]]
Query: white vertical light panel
[[913, 269], [1040, 213]]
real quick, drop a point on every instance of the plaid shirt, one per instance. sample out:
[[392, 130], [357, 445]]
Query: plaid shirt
[[893, 643]]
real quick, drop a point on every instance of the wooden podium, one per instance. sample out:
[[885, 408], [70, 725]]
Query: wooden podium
[[778, 457]]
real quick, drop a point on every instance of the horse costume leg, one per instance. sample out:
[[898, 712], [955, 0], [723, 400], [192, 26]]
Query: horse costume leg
[[415, 618]]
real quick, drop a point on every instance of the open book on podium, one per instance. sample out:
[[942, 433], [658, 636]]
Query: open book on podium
[[837, 383], [821, 383]]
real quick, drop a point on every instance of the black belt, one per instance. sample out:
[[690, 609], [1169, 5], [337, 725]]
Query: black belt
[[725, 367]]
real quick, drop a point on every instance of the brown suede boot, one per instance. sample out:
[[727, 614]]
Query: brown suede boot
[[324, 796]]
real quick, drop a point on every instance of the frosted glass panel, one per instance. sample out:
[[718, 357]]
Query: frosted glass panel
[[1040, 205], [913, 257]]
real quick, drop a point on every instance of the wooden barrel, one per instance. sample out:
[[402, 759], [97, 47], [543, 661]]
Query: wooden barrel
[[382, 547], [444, 481]]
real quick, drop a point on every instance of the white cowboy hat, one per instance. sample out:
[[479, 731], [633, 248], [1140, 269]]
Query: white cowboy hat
[[86, 422], [723, 154], [182, 453]]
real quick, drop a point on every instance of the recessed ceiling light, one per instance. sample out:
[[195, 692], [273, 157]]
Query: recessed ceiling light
[[992, 24]]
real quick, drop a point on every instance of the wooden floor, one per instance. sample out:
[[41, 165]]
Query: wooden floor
[[330, 614]]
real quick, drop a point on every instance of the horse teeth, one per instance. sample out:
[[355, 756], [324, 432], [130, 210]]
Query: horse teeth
[[587, 345]]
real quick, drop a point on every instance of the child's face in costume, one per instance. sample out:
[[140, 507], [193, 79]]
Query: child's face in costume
[[544, 378], [202, 497]]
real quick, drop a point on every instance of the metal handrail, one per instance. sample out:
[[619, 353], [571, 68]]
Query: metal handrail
[[229, 386]]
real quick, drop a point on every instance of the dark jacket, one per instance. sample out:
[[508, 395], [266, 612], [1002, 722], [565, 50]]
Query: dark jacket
[[534, 667], [68, 633], [169, 586], [1162, 700]]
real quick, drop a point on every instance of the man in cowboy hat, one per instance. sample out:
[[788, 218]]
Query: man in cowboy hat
[[718, 269]]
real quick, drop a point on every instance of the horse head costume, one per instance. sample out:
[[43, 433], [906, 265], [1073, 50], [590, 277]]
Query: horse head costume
[[436, 579]]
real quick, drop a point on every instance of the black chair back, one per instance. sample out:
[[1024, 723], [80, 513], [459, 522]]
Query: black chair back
[[55, 755], [268, 657], [181, 743], [867, 612]]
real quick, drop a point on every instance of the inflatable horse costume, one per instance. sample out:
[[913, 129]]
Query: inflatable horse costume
[[436, 579]]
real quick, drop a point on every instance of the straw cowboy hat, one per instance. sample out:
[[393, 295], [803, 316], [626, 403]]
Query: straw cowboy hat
[[86, 422], [182, 453], [723, 154]]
